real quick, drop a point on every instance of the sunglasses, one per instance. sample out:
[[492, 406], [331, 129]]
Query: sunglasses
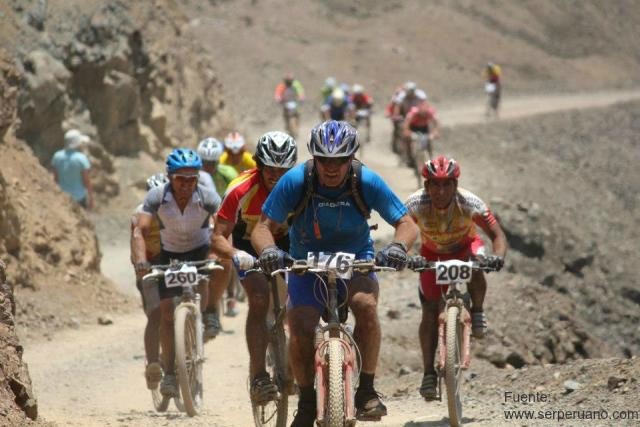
[[187, 179], [337, 161]]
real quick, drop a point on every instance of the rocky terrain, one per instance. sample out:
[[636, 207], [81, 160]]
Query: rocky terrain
[[142, 77]]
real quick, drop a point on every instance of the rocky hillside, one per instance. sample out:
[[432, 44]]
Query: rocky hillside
[[120, 72]]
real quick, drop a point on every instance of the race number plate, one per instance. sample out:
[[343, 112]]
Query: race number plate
[[340, 262], [453, 271], [186, 276], [291, 105]]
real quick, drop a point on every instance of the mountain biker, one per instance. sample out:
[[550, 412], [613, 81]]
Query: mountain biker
[[493, 81], [421, 118], [276, 153], [236, 154], [337, 106], [447, 217], [289, 89], [150, 296], [330, 221], [409, 97], [360, 99], [210, 150], [184, 208], [329, 85]]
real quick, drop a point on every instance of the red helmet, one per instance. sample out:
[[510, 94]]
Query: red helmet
[[441, 168]]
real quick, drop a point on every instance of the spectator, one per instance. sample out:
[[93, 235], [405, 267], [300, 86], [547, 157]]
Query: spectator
[[71, 169]]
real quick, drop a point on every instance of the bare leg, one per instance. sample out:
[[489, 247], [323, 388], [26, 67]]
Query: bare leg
[[257, 288], [429, 335], [302, 325], [363, 300], [477, 290], [152, 335], [166, 335]]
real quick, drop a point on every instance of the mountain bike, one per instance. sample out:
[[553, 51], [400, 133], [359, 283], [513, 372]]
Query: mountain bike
[[419, 145], [291, 117], [275, 413], [363, 124], [454, 329], [337, 357], [493, 99], [188, 329]]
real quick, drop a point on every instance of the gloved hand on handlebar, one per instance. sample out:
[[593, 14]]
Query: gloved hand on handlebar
[[492, 261], [243, 260], [273, 258], [393, 255], [416, 262]]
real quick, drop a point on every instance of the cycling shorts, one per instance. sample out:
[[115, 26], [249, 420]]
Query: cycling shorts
[[308, 289], [429, 291], [197, 254]]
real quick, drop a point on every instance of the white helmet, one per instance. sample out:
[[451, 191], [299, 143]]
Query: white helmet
[[338, 96], [210, 149], [410, 86], [234, 142], [357, 89], [156, 180], [276, 149], [330, 82]]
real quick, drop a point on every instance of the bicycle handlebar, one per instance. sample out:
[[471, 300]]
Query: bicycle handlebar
[[205, 267], [300, 267], [476, 264]]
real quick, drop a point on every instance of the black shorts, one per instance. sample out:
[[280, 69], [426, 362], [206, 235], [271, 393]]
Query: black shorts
[[421, 129], [197, 254]]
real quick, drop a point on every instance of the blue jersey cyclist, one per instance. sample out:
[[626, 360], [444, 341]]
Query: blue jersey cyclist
[[331, 221]]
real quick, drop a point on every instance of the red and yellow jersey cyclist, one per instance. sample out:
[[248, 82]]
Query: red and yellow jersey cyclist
[[447, 217]]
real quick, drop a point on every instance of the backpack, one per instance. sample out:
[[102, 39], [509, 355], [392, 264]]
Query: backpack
[[355, 190]]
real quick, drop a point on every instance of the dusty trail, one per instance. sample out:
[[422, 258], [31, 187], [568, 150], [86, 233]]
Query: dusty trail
[[92, 376]]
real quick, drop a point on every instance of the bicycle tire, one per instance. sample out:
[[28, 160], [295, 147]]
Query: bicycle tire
[[275, 412], [335, 413], [160, 402], [453, 366], [188, 360]]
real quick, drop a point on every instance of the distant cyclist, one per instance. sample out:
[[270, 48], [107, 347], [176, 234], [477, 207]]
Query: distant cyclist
[[493, 86], [329, 85], [337, 106], [276, 153], [447, 217], [329, 218], [421, 118], [289, 89], [236, 153], [184, 209], [210, 150]]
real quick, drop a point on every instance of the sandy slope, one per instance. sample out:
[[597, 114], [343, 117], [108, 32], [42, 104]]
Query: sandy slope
[[93, 375]]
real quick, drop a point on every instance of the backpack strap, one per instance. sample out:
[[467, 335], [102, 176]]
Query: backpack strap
[[356, 188], [307, 192]]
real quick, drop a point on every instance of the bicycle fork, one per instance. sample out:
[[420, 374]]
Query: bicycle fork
[[349, 368]]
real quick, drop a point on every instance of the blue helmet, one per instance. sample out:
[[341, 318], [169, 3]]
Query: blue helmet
[[333, 139], [181, 158]]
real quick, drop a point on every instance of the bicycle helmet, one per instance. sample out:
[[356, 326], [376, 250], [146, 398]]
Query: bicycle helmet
[[333, 139], [210, 149], [276, 149], [357, 89], [338, 96], [157, 180], [234, 142], [441, 168], [330, 82], [410, 86], [181, 158]]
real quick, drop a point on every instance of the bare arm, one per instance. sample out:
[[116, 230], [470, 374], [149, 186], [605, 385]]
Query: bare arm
[[138, 244], [498, 239], [220, 238], [262, 235], [435, 130], [87, 184], [406, 231]]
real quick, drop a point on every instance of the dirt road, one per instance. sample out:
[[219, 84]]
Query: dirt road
[[92, 376]]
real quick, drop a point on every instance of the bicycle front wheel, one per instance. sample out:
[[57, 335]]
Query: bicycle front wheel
[[453, 366], [275, 413], [335, 413], [188, 359]]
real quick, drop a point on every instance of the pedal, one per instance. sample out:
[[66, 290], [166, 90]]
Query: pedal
[[363, 417]]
